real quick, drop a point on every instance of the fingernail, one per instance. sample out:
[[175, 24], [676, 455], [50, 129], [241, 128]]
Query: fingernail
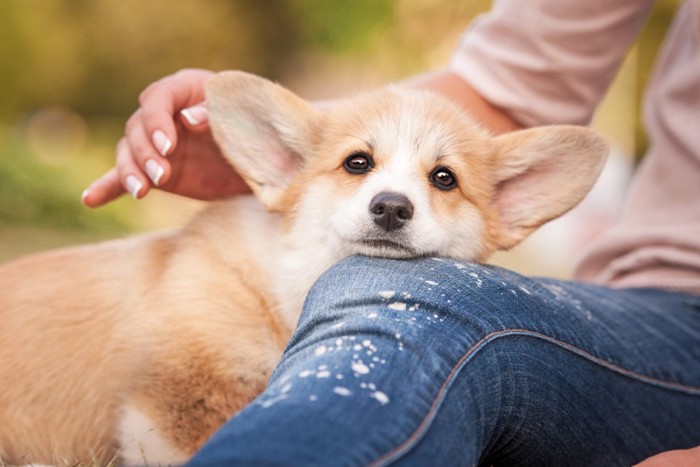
[[161, 142], [195, 115], [85, 194], [154, 171], [134, 186]]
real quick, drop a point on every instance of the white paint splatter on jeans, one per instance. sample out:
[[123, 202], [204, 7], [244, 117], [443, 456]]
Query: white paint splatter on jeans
[[387, 294], [341, 391], [359, 368], [380, 397]]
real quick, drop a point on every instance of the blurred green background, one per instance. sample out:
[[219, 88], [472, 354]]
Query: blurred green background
[[71, 72]]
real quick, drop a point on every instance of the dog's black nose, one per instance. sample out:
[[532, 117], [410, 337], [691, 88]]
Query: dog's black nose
[[391, 211]]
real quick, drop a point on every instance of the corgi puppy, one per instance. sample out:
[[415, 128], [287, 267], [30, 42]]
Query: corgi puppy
[[136, 350]]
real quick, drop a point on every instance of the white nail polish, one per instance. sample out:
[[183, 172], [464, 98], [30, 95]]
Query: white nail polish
[[154, 171], [134, 186], [85, 194], [189, 117], [161, 142], [195, 115]]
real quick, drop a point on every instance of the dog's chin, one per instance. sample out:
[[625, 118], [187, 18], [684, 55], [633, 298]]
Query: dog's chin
[[386, 248]]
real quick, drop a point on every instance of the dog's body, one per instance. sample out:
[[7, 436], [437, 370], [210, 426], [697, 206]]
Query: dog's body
[[174, 330], [141, 348]]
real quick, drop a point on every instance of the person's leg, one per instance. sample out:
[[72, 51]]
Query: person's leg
[[438, 362]]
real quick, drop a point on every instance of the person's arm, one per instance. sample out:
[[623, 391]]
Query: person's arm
[[453, 87]]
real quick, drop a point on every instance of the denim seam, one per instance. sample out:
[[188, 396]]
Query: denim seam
[[417, 435]]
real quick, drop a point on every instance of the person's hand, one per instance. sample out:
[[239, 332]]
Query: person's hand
[[677, 458], [167, 144]]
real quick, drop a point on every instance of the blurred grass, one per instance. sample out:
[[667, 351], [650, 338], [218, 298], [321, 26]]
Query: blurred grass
[[40, 201], [43, 172], [47, 196]]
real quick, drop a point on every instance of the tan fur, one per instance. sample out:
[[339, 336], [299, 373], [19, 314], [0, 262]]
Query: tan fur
[[168, 321], [184, 327]]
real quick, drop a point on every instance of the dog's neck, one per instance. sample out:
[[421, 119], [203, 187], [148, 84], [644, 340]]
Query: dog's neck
[[292, 256], [306, 255], [299, 267]]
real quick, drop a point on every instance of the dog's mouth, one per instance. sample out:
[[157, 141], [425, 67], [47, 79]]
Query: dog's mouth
[[385, 247]]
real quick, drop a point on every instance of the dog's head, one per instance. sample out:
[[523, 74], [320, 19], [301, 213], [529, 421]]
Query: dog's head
[[398, 173]]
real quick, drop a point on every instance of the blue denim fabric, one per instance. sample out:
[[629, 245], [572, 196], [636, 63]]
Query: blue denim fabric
[[440, 362]]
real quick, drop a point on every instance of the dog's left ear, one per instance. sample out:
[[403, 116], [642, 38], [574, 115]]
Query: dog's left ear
[[263, 129], [542, 173]]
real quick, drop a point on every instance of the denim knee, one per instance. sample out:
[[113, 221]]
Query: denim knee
[[427, 299], [456, 305], [421, 288], [449, 306]]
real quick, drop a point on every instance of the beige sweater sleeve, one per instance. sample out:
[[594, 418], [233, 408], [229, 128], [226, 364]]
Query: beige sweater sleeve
[[547, 61]]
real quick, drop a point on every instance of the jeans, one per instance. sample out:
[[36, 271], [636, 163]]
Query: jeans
[[442, 362]]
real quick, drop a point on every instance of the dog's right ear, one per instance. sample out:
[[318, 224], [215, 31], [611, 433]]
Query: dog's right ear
[[263, 129]]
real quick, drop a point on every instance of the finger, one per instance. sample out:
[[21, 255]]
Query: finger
[[186, 86], [103, 190], [156, 119], [131, 178], [142, 153], [163, 99]]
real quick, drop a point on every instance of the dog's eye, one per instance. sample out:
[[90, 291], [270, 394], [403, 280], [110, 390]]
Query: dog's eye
[[443, 178], [358, 163]]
